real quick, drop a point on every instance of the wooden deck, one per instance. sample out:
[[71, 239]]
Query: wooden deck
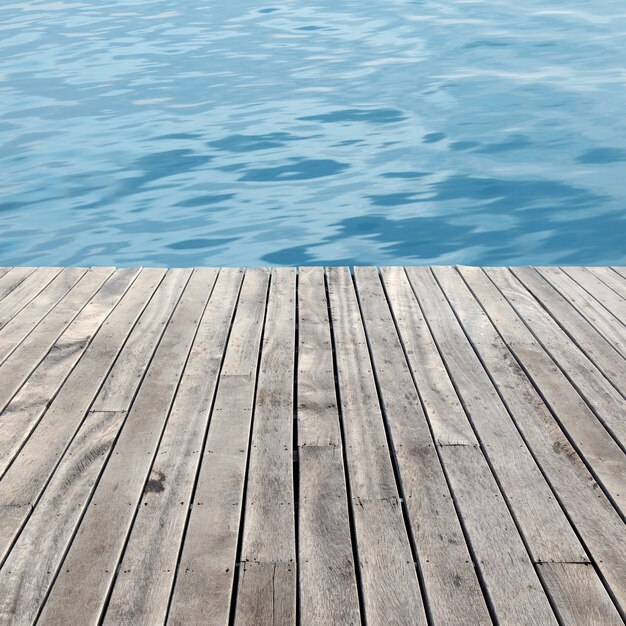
[[396, 446]]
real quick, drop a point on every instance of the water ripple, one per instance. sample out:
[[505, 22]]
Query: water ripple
[[168, 133]]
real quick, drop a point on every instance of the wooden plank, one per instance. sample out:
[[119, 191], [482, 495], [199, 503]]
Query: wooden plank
[[450, 581], [203, 586], [269, 502], [390, 586], [394, 472], [26, 291], [605, 401], [498, 550], [30, 566], [609, 363], [120, 386], [23, 322], [619, 270], [445, 413], [579, 595], [79, 593], [596, 314], [543, 524], [327, 582], [586, 434], [24, 481], [510, 580], [611, 277], [597, 523], [23, 413], [4, 270], [605, 286], [12, 279], [142, 588], [267, 594], [26, 356], [46, 537]]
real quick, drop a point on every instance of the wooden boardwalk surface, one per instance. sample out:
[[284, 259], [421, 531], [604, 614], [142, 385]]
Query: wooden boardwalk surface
[[396, 446]]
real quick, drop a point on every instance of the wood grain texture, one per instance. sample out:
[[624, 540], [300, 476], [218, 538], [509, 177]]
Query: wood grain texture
[[579, 595], [604, 286], [29, 570], [609, 363], [446, 416], [19, 297], [589, 436], [545, 528], [403, 446], [11, 279], [65, 497], [603, 398], [616, 284], [147, 569], [270, 482], [452, 588], [510, 579], [204, 583], [592, 514], [22, 414], [327, 578], [29, 317], [595, 313], [80, 590], [21, 486], [489, 531], [391, 592], [24, 352]]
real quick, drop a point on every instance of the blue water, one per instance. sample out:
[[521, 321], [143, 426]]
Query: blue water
[[292, 132]]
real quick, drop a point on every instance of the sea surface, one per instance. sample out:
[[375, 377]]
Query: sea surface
[[204, 132]]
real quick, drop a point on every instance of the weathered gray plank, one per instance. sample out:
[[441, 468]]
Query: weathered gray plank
[[579, 595], [266, 593], [445, 413], [619, 270], [592, 514], [30, 566], [328, 587], [28, 318], [452, 588], [27, 355], [4, 270], [12, 279], [499, 552], [270, 495], [615, 281], [607, 403], [605, 286], [203, 586], [26, 291], [121, 383], [24, 411], [596, 314], [547, 531], [596, 446], [80, 590], [51, 530], [511, 581], [24, 481], [607, 360], [46, 537], [391, 592], [141, 591]]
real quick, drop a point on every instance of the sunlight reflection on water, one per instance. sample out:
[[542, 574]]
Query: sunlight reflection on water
[[207, 133]]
